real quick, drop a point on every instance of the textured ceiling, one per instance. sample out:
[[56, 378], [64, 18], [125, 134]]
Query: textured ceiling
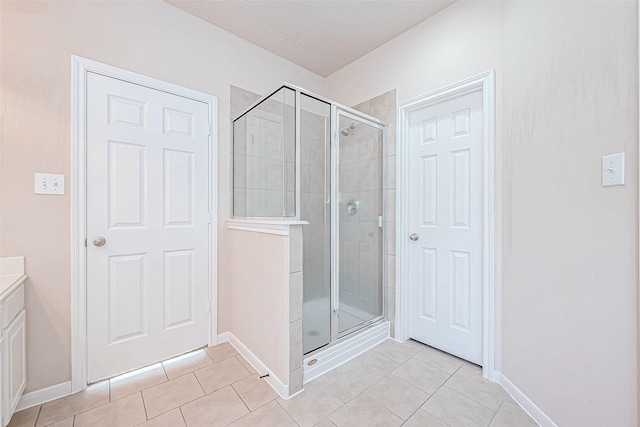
[[321, 36]]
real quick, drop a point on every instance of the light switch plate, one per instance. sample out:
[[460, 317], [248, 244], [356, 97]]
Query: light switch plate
[[47, 183], [613, 170]]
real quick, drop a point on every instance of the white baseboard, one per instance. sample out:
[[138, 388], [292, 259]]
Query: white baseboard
[[525, 403], [38, 397], [259, 365], [344, 351], [223, 337]]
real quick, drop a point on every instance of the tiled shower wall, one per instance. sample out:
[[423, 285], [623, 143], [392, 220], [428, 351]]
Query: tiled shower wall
[[383, 107], [264, 149], [240, 100]]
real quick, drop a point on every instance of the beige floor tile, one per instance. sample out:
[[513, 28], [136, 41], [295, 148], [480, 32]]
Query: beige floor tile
[[186, 363], [25, 418], [457, 410], [221, 374], [64, 423], [352, 378], [399, 352], [127, 384], [221, 352], [216, 409], [311, 406], [422, 375], [65, 407], [469, 382], [325, 423], [254, 391], [246, 364], [423, 419], [171, 394], [125, 412], [510, 415], [397, 395], [364, 411], [439, 359], [269, 415], [168, 419]]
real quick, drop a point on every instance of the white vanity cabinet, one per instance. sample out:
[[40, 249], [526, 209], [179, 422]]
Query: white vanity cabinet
[[13, 373]]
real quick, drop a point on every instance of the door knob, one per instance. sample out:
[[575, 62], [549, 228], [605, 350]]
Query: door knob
[[99, 241], [414, 237]]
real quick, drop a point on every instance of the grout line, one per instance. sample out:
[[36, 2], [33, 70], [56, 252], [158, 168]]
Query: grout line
[[182, 415], [472, 398], [35, 423], [447, 424], [495, 414], [241, 399], [144, 405], [206, 353], [286, 412], [86, 410], [192, 400], [199, 383], [164, 370], [334, 395], [441, 385]]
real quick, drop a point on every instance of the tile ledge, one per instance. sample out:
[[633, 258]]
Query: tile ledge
[[277, 227]]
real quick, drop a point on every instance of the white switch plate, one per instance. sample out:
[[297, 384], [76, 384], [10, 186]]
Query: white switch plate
[[47, 183], [613, 170]]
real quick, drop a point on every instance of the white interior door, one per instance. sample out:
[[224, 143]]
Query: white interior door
[[445, 222], [147, 197]]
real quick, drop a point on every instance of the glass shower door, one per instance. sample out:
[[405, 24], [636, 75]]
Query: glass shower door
[[315, 208], [359, 220]]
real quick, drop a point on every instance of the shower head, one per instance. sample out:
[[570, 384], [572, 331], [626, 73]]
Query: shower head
[[345, 130]]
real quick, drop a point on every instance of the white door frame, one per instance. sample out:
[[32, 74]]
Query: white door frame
[[79, 69], [484, 83]]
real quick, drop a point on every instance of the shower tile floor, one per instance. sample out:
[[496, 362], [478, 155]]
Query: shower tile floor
[[393, 384]]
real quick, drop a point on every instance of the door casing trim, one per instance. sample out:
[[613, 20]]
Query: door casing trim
[[79, 69], [485, 83]]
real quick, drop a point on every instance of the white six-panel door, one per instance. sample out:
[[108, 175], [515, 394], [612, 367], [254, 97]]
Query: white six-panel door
[[147, 197], [445, 223]]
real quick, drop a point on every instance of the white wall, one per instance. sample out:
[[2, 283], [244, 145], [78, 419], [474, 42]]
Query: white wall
[[152, 38], [259, 296], [567, 94]]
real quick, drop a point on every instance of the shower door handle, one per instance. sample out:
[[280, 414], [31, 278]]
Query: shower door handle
[[414, 237]]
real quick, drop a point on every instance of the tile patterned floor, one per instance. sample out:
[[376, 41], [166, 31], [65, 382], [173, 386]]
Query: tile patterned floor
[[393, 384]]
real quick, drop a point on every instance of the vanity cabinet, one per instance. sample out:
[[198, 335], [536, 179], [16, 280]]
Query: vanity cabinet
[[13, 372], [14, 367]]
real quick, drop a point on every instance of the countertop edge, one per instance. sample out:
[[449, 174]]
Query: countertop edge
[[9, 283]]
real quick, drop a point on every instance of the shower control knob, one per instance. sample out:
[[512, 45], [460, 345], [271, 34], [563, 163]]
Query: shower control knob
[[414, 237]]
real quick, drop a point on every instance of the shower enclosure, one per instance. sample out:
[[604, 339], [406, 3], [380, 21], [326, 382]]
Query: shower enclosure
[[297, 156]]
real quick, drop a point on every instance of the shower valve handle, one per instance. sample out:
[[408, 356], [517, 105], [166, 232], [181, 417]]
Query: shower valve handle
[[414, 237]]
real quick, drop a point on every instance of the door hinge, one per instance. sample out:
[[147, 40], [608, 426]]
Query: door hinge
[[380, 223], [85, 242], [209, 129], [208, 306]]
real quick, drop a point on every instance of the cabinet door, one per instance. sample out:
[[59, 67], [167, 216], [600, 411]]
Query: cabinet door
[[14, 366]]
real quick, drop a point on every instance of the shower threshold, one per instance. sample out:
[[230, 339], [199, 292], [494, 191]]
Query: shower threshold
[[324, 360]]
